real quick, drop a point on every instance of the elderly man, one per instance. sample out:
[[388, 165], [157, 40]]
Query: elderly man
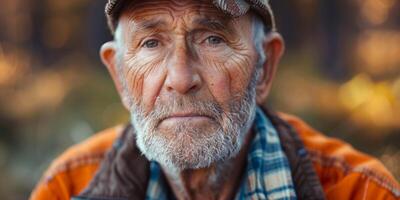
[[193, 73]]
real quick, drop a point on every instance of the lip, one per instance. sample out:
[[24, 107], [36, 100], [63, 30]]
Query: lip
[[185, 116]]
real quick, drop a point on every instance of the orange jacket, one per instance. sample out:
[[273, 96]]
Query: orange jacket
[[344, 172]]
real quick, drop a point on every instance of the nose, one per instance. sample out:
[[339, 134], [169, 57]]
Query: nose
[[182, 77]]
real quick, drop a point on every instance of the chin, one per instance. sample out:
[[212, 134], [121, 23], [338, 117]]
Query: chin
[[189, 149]]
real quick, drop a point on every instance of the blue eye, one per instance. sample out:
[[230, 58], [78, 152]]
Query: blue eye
[[152, 43], [215, 40]]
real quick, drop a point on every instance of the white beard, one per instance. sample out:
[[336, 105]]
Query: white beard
[[186, 147]]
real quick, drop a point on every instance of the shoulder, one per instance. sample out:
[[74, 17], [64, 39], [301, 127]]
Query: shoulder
[[69, 173], [344, 172]]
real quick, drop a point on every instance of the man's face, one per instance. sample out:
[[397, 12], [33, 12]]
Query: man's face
[[188, 77]]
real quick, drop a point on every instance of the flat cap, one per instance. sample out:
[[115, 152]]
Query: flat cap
[[234, 8]]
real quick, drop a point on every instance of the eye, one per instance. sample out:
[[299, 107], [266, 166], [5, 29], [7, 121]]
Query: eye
[[214, 40], [152, 43]]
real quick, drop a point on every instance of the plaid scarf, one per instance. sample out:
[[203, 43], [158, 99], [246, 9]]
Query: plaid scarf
[[267, 174]]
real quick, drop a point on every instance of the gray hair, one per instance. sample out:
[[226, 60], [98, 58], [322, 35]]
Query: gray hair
[[259, 32]]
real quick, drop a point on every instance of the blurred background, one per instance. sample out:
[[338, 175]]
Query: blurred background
[[340, 73]]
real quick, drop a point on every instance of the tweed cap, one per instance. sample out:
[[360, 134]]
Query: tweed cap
[[233, 8]]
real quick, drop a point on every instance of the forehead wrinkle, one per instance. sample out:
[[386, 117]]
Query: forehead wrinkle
[[150, 24], [149, 17], [138, 10]]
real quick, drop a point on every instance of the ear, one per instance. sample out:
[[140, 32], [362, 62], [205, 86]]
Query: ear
[[108, 54], [273, 45]]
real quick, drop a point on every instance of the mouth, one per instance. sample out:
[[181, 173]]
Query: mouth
[[185, 117]]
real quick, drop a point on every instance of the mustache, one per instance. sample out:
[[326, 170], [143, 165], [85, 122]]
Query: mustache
[[192, 105]]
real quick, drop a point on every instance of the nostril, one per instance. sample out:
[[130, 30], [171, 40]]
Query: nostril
[[193, 87], [169, 88], [182, 84]]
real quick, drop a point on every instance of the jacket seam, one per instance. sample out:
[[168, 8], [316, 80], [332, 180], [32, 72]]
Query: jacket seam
[[336, 162], [365, 193]]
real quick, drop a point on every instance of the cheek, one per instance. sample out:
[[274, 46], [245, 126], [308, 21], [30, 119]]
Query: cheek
[[152, 84], [144, 78], [227, 78], [240, 68]]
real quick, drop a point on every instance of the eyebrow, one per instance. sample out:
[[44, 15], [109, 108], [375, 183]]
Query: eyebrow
[[151, 24], [214, 24], [211, 24]]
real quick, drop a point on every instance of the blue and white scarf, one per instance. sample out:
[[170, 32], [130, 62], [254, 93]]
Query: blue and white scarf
[[267, 174]]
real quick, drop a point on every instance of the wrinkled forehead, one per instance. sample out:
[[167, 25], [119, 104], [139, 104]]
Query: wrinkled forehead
[[150, 9], [152, 16]]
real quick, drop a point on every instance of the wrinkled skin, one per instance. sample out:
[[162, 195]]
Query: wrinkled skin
[[178, 49], [188, 57]]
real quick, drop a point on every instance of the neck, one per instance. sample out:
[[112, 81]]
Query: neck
[[218, 181]]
